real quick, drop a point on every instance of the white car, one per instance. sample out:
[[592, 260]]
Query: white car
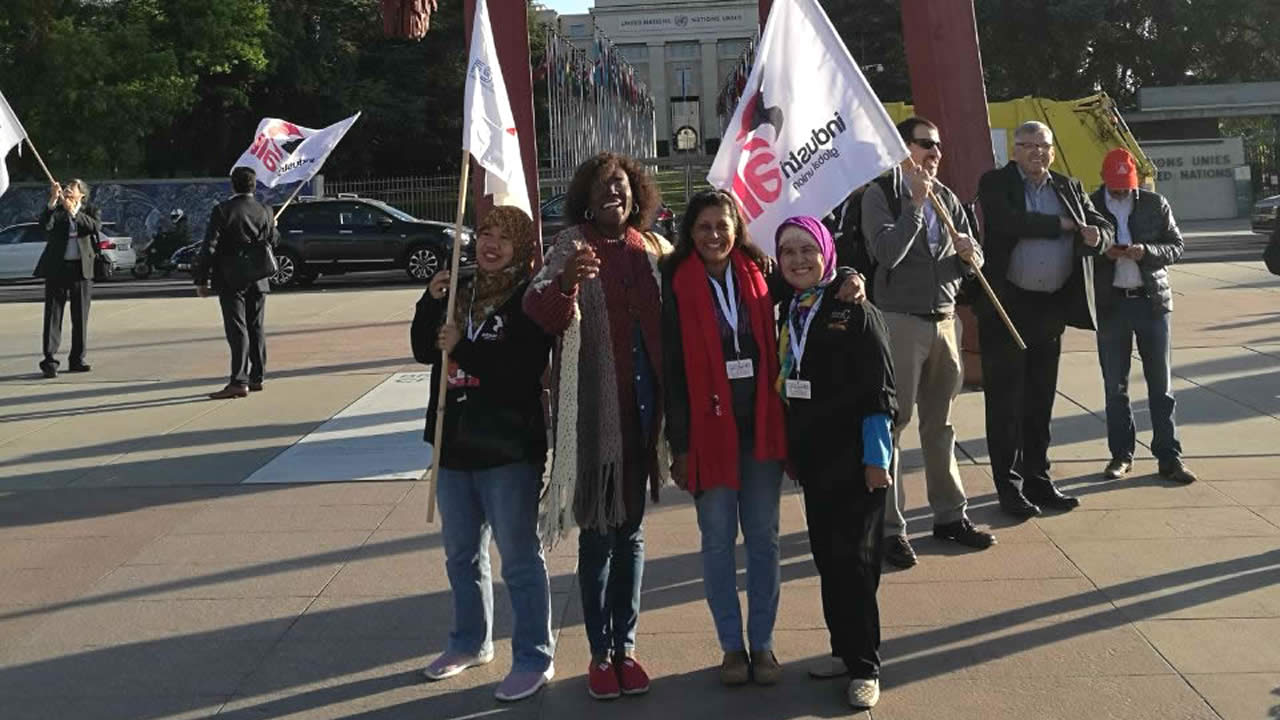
[[21, 245]]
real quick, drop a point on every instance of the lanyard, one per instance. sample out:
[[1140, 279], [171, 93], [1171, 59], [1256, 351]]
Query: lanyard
[[472, 331], [728, 307], [798, 339]]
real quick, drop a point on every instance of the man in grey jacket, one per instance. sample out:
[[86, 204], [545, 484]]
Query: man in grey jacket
[[919, 268], [1134, 301]]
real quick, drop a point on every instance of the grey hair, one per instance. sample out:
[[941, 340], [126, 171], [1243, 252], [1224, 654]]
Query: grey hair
[[84, 186], [1031, 127]]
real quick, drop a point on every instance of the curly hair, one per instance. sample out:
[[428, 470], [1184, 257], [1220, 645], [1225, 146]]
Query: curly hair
[[703, 200], [645, 197]]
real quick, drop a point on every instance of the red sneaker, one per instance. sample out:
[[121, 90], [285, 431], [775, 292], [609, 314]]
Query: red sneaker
[[633, 679], [602, 681]]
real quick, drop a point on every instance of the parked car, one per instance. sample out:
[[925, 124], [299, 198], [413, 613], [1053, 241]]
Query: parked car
[[1264, 214], [22, 243], [554, 220], [327, 236]]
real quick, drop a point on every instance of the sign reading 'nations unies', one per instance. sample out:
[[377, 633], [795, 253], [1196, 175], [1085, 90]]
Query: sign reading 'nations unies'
[[808, 130]]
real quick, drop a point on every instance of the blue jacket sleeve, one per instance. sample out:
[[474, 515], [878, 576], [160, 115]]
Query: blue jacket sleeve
[[877, 441]]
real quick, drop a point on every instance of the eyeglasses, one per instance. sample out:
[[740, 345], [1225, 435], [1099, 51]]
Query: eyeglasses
[[927, 143], [1043, 147]]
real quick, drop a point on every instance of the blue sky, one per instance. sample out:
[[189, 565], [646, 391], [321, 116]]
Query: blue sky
[[568, 6]]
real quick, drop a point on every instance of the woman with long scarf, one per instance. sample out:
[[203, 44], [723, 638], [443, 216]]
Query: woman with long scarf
[[493, 452], [598, 292], [836, 371]]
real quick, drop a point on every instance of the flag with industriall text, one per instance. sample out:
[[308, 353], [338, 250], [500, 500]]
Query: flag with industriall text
[[11, 134], [808, 129], [283, 152], [488, 125]]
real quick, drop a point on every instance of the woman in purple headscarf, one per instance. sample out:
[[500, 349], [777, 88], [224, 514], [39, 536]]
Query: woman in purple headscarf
[[835, 368]]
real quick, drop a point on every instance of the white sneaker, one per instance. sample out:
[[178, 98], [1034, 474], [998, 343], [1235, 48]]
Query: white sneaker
[[520, 684], [864, 693], [827, 668], [452, 663]]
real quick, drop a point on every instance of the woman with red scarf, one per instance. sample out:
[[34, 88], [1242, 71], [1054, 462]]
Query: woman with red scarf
[[725, 420]]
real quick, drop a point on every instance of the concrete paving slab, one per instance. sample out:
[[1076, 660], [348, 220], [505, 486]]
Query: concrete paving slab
[[1051, 698], [145, 521], [1158, 523], [1247, 594], [1181, 560], [377, 437], [1262, 492], [1227, 645], [284, 518], [342, 495], [1138, 491], [1240, 696], [79, 552], [398, 696], [44, 586], [125, 707], [1014, 602], [300, 547], [213, 581]]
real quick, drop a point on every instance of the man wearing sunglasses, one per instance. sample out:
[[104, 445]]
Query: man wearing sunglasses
[[1041, 236], [919, 268]]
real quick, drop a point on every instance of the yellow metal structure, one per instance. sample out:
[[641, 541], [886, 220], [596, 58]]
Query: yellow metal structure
[[1084, 131]]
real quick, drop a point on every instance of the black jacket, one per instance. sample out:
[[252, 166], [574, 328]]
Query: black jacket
[[499, 420], [1002, 196], [1151, 224], [233, 225], [56, 223], [848, 362]]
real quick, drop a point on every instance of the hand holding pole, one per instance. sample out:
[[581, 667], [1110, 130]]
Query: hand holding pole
[[945, 216]]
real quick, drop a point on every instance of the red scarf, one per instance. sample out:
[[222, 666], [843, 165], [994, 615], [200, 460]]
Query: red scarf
[[713, 433]]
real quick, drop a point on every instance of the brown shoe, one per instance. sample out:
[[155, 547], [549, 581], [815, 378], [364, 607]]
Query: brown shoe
[[765, 668], [255, 387], [229, 392], [735, 670]]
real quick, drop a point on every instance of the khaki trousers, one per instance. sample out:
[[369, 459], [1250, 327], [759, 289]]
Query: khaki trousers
[[928, 375]]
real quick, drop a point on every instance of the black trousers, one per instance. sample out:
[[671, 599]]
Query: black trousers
[[242, 314], [846, 528], [1019, 387], [68, 285]]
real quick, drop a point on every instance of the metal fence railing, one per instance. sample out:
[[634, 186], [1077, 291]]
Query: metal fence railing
[[430, 198]]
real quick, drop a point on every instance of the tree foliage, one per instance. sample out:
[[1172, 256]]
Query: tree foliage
[[119, 88]]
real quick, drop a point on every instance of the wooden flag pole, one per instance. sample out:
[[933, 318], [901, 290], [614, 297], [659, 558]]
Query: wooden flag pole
[[39, 159], [292, 195], [443, 367], [945, 215]]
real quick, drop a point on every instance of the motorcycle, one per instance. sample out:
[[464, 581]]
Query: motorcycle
[[157, 254]]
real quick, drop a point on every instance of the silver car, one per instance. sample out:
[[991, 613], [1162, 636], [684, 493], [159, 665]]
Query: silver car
[[22, 243]]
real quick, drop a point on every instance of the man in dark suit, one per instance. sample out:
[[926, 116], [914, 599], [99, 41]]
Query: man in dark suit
[[234, 226], [1042, 234], [71, 228], [1135, 301]]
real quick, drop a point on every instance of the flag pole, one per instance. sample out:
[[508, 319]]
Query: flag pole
[[39, 159], [443, 367], [945, 215], [292, 195]]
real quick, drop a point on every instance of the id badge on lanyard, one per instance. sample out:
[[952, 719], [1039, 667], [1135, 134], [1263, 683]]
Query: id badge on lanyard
[[795, 388], [727, 299]]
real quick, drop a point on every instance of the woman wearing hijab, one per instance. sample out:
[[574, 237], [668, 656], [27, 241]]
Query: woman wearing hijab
[[598, 292], [725, 421], [493, 452], [836, 370]]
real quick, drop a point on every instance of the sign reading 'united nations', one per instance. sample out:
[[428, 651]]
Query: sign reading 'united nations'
[[680, 21]]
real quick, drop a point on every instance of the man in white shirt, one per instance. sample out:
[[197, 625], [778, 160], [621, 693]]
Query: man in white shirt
[[1134, 301]]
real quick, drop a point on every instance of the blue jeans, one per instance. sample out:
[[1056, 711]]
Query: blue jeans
[[755, 506], [1126, 319], [610, 569], [502, 502]]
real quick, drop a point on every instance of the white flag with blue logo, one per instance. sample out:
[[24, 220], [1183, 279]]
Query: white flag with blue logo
[[488, 125]]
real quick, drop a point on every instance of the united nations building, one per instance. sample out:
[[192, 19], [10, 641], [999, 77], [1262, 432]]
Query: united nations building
[[681, 51]]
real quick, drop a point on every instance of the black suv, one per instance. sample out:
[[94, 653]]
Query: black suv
[[328, 236]]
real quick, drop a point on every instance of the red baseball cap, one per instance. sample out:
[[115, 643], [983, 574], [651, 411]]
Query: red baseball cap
[[1120, 170]]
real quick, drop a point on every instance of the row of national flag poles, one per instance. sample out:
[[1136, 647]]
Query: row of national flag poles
[[595, 102]]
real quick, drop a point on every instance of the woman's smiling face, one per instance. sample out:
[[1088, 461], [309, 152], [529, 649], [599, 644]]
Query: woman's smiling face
[[800, 258]]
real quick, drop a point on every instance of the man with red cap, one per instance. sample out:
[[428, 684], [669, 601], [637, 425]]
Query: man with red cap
[[1131, 287]]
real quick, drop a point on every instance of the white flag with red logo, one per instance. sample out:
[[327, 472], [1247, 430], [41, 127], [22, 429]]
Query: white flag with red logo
[[488, 125], [11, 136], [286, 153], [808, 130]]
